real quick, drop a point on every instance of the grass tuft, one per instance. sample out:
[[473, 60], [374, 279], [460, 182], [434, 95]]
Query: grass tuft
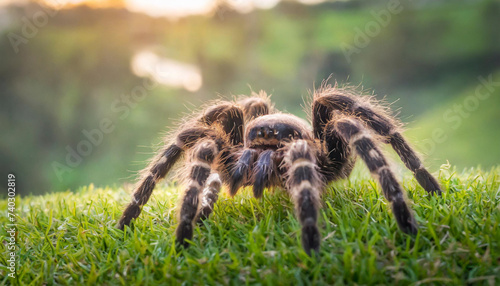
[[70, 238]]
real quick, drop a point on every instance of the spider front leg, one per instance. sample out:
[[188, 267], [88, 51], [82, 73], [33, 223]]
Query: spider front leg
[[358, 136], [264, 166], [304, 184], [203, 155], [263, 171], [241, 170]]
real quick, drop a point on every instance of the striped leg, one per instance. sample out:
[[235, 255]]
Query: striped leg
[[209, 196], [328, 100], [358, 137], [304, 184], [383, 126], [156, 171], [203, 155], [227, 115], [341, 162]]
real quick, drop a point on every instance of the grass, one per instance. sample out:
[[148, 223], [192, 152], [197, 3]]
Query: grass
[[69, 238]]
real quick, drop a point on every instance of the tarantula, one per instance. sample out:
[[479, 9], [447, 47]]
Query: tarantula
[[248, 143]]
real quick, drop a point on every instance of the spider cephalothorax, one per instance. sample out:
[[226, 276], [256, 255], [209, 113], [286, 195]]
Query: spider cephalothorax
[[248, 143]]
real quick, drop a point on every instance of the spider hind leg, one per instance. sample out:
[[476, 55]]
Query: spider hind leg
[[359, 139], [229, 116], [255, 106], [328, 99]]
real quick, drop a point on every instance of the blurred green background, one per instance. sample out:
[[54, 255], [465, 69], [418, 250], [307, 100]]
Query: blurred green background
[[125, 76]]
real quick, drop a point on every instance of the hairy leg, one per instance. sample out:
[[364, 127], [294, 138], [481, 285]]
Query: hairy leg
[[229, 116], [360, 140], [209, 196], [341, 162], [156, 171], [256, 106], [226, 115], [328, 100], [202, 157], [304, 184], [241, 171], [159, 168], [263, 171]]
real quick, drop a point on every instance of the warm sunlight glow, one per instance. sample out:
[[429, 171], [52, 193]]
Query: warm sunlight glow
[[166, 71], [7, 2], [245, 6], [57, 4], [173, 8], [265, 4], [311, 2]]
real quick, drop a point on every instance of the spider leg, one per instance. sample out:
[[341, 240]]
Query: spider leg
[[304, 184], [341, 162], [209, 196], [229, 116], [356, 134], [263, 171], [256, 106], [241, 170], [327, 101], [156, 171], [203, 155], [226, 114]]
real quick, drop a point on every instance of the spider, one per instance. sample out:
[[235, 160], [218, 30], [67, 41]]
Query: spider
[[247, 142]]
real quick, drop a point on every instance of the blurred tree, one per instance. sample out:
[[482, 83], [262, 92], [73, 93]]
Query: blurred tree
[[76, 72]]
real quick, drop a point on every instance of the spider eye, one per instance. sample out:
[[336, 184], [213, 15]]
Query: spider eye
[[269, 132]]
